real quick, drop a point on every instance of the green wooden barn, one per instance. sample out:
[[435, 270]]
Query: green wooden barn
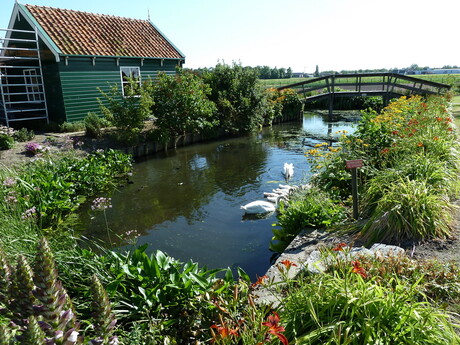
[[53, 61]]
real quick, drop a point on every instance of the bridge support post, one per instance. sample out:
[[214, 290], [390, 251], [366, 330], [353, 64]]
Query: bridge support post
[[331, 105]]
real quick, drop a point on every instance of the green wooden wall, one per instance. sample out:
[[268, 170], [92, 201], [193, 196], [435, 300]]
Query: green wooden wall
[[81, 81]]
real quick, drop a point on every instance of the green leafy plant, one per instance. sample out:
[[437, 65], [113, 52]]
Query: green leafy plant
[[409, 209], [48, 190], [158, 287], [308, 208]]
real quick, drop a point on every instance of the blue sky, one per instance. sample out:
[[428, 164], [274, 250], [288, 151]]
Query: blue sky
[[333, 34]]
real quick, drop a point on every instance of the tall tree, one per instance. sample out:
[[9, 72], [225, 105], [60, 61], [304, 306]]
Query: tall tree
[[316, 74]]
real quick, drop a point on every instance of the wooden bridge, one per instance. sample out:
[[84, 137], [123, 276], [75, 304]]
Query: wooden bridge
[[385, 85]]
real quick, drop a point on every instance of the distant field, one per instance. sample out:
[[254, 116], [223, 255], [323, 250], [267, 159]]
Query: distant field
[[438, 78]]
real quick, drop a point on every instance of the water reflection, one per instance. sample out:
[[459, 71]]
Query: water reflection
[[187, 202]]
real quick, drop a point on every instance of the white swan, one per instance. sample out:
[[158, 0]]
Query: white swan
[[261, 206], [288, 170], [270, 195], [272, 198]]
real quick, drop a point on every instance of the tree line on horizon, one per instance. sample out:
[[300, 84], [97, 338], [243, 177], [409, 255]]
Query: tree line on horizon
[[267, 72]]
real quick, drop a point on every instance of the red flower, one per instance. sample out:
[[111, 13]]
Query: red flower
[[288, 264], [450, 129], [385, 151], [274, 328], [339, 247], [394, 132], [358, 269], [224, 332], [260, 281], [420, 144]]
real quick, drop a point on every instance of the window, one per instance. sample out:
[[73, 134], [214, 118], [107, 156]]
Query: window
[[128, 74]]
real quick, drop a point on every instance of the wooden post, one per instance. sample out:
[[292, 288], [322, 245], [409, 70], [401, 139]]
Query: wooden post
[[354, 192], [353, 165], [331, 97]]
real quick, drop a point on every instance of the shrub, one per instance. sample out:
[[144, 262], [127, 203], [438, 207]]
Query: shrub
[[24, 135], [436, 280], [412, 137], [182, 105], [274, 105], [292, 103], [70, 127], [6, 142], [129, 111], [374, 103], [94, 125], [310, 208], [239, 97]]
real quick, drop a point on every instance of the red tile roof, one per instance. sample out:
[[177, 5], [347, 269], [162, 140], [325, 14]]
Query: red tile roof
[[83, 33]]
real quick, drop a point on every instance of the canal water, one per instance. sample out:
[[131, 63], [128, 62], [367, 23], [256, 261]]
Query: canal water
[[186, 202]]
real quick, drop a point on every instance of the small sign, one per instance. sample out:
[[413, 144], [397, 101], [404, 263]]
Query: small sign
[[356, 163]]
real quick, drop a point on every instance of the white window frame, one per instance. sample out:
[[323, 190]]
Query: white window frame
[[130, 74]]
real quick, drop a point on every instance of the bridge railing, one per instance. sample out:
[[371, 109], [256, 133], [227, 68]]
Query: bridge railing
[[390, 83]]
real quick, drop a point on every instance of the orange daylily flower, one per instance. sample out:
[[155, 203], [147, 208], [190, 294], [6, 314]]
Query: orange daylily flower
[[274, 327], [288, 263], [339, 247], [358, 269], [224, 332], [260, 280]]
